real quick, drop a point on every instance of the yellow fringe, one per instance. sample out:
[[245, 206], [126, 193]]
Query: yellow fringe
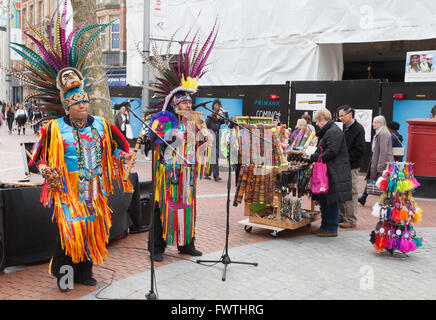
[[97, 235]]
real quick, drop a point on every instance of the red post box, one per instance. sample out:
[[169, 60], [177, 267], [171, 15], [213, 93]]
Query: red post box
[[421, 146]]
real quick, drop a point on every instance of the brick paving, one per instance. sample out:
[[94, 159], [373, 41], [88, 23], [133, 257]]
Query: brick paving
[[128, 257]]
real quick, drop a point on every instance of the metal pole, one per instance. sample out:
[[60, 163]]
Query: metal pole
[[145, 96], [146, 51], [7, 51]]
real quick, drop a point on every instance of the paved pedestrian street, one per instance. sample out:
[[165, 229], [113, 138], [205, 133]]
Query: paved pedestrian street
[[294, 265]]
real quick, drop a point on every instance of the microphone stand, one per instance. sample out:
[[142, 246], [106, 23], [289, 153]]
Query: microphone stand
[[225, 258], [151, 294]]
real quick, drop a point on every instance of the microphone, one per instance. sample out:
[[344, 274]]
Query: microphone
[[122, 104], [200, 105]]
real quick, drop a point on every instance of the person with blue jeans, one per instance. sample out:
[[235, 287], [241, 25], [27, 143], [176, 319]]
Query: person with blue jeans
[[332, 149], [329, 216]]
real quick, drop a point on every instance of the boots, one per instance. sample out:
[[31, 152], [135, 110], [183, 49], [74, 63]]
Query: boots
[[362, 199], [190, 249]]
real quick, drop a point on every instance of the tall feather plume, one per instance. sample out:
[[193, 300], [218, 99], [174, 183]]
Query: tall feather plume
[[63, 52], [58, 36], [190, 64], [51, 23], [56, 52], [70, 37], [200, 59]]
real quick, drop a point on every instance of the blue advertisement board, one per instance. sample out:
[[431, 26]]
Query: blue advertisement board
[[410, 109]]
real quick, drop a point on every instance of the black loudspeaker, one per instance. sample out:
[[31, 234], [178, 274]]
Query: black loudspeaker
[[119, 202], [28, 233], [145, 193]]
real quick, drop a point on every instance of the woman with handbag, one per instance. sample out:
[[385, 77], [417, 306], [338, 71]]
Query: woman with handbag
[[381, 154], [332, 151]]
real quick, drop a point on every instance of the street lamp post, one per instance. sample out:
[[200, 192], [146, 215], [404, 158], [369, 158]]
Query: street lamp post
[[6, 61], [146, 51]]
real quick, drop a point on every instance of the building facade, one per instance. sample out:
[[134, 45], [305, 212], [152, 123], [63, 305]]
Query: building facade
[[113, 39]]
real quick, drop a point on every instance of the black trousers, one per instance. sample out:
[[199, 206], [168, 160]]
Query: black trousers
[[10, 122], [36, 127], [82, 271], [159, 243]]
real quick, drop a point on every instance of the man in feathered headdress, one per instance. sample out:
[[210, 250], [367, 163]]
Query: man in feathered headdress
[[175, 178], [78, 155]]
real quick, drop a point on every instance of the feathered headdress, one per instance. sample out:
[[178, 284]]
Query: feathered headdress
[[175, 80], [56, 53]]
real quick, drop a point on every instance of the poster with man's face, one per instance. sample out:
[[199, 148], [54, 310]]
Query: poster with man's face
[[420, 66]]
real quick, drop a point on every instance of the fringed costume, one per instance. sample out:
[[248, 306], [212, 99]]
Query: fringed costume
[[175, 178], [89, 158], [87, 155]]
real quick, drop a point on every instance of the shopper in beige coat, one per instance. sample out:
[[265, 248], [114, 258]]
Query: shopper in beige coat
[[381, 152]]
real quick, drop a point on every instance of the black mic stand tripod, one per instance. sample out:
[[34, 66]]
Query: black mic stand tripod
[[151, 294], [225, 258]]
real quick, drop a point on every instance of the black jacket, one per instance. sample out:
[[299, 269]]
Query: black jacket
[[335, 156], [355, 138], [213, 124]]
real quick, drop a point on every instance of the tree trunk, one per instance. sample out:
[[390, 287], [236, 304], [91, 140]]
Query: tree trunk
[[82, 9]]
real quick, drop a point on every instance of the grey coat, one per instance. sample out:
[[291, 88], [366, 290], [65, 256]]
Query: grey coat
[[381, 155], [335, 156]]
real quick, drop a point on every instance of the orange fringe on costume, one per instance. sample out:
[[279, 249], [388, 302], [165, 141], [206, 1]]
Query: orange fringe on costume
[[82, 239]]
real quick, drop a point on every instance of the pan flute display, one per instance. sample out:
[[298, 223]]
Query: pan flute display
[[270, 191]]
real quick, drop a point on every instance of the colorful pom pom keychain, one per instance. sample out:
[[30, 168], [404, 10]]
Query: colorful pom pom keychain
[[396, 210]]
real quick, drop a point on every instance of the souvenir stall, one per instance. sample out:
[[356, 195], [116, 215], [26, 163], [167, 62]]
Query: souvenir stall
[[397, 210], [272, 188]]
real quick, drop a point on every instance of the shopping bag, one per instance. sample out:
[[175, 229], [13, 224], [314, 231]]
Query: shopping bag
[[372, 188], [320, 180]]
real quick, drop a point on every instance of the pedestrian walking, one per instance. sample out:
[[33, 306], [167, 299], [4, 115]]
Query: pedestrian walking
[[37, 115], [381, 153], [21, 118], [10, 116], [2, 112]]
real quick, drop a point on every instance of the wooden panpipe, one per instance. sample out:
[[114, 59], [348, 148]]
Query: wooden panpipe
[[132, 159]]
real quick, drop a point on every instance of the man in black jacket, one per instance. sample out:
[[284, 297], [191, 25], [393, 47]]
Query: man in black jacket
[[214, 122], [355, 138]]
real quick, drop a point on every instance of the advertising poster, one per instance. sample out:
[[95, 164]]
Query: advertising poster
[[310, 101], [232, 106], [419, 66], [15, 26], [364, 117]]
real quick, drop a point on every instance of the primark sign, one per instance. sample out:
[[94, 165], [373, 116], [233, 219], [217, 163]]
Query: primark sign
[[268, 109]]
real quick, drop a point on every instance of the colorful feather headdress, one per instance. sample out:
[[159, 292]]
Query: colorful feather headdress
[[179, 78], [57, 52]]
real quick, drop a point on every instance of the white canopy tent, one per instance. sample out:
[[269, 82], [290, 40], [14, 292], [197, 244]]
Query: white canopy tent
[[270, 42]]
